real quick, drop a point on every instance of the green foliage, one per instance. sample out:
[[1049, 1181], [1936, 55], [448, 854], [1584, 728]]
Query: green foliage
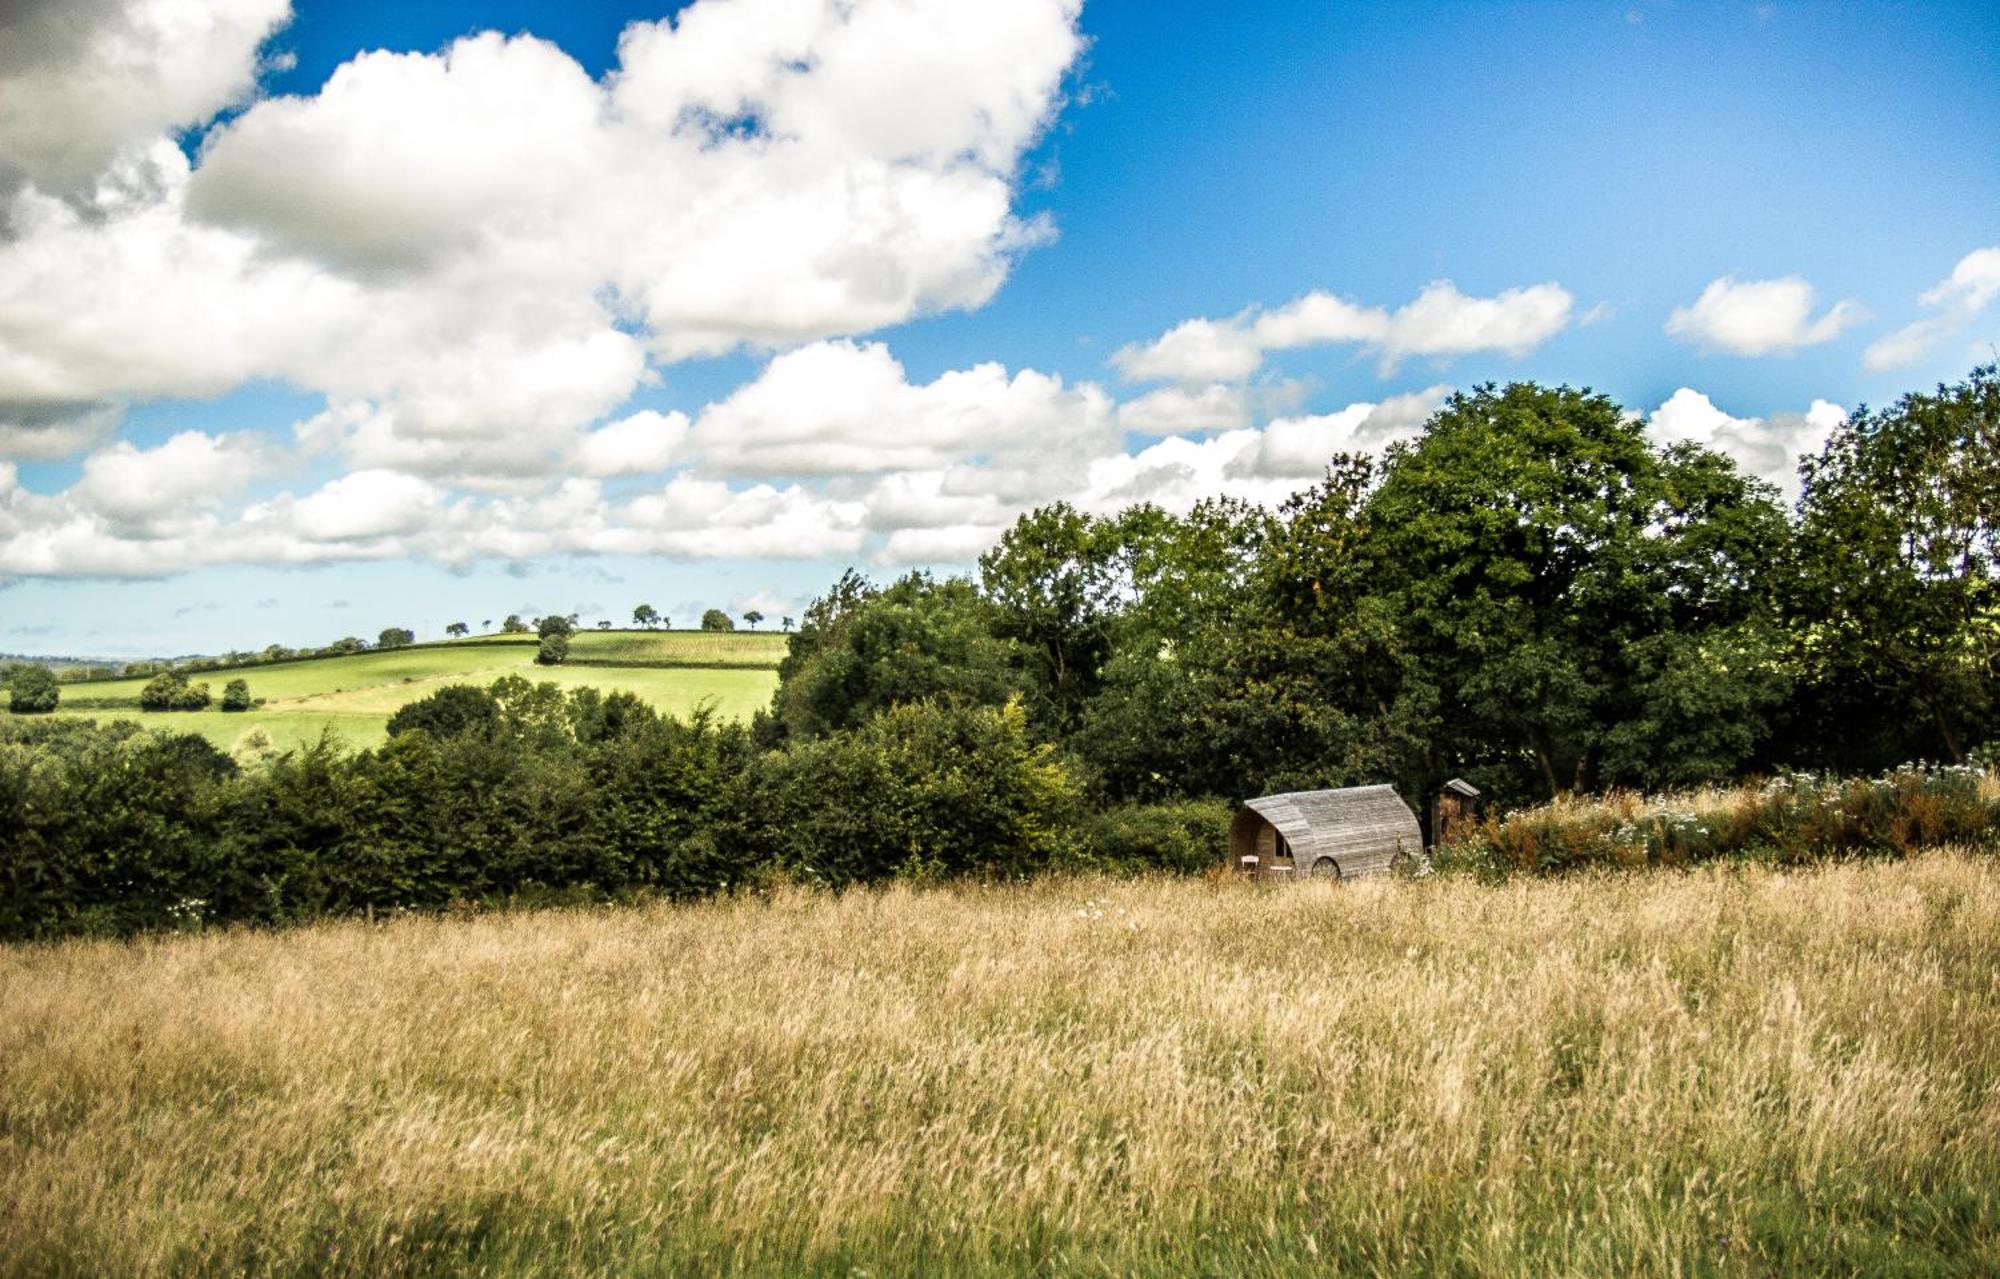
[[862, 651], [236, 695], [1187, 835], [556, 624], [458, 630], [646, 615], [395, 637], [452, 711], [554, 650], [715, 619], [514, 625], [171, 691], [31, 689], [921, 789], [1897, 597], [753, 617]]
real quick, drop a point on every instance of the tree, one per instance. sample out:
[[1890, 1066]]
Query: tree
[[347, 644], [554, 650], [753, 617], [1897, 608], [556, 624], [32, 689], [716, 620], [645, 615], [236, 695], [514, 625], [453, 711], [1054, 577], [863, 650], [458, 630], [603, 623], [170, 691], [787, 625], [394, 637], [1566, 588], [486, 625]]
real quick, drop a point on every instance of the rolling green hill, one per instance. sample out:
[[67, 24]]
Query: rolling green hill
[[355, 695]]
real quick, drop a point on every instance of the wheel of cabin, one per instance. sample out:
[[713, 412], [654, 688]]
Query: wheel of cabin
[[1326, 868]]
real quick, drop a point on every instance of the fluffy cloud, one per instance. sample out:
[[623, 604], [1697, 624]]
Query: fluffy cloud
[[475, 253], [1440, 323], [1760, 317], [1297, 448], [1768, 448], [842, 408], [1955, 302], [641, 444], [192, 471], [82, 80]]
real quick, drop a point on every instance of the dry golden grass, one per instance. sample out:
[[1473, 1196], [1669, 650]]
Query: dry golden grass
[[1730, 1071]]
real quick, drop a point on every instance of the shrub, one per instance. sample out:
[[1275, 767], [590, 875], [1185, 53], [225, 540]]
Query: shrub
[[163, 692], [924, 789], [554, 650], [236, 695], [32, 690], [1797, 817], [1186, 835], [452, 711]]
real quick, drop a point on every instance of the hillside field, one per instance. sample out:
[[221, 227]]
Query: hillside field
[[1731, 1071], [355, 695]]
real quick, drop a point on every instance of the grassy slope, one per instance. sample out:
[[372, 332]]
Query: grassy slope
[[1719, 1072], [355, 695]]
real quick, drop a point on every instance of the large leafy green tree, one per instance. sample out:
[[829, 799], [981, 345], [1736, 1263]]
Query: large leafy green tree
[[862, 650], [1897, 601], [1584, 604], [31, 689]]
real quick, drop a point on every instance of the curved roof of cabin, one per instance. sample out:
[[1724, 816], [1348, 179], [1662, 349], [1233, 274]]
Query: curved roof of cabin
[[1355, 825]]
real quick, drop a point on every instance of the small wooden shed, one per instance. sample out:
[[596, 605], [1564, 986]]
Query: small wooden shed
[[1334, 834]]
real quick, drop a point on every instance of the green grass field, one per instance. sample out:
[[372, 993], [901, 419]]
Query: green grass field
[[355, 696], [1732, 1072]]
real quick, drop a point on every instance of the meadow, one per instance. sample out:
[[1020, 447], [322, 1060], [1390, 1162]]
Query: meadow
[[1730, 1070], [354, 696]]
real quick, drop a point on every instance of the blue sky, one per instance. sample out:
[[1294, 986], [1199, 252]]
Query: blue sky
[[1791, 179]]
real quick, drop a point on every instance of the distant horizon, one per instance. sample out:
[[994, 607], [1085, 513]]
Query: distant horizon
[[350, 315]]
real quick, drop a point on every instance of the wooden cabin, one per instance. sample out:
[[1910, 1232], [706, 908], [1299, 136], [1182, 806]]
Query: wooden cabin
[[1332, 834]]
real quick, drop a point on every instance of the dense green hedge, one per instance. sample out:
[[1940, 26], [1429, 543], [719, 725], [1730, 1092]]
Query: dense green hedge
[[523, 791]]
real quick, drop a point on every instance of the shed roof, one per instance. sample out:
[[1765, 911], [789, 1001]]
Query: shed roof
[[1459, 786], [1360, 827]]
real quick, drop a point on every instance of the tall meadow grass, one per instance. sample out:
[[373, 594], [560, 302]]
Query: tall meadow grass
[[1736, 1070]]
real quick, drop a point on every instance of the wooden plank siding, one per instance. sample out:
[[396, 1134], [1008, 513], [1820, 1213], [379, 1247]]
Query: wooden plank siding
[[1360, 830]]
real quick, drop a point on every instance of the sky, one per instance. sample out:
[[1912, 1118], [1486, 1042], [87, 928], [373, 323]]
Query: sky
[[322, 316]]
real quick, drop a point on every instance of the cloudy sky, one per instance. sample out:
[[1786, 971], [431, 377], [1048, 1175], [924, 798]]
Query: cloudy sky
[[318, 316]]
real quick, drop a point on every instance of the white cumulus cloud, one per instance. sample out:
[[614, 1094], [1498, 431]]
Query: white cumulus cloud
[[1760, 317], [1955, 302], [1439, 323], [1769, 448]]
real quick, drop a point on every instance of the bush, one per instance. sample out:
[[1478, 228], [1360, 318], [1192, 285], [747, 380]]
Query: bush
[[32, 690], [923, 789], [1189, 835], [554, 650], [716, 620], [1798, 817], [452, 711], [236, 695]]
